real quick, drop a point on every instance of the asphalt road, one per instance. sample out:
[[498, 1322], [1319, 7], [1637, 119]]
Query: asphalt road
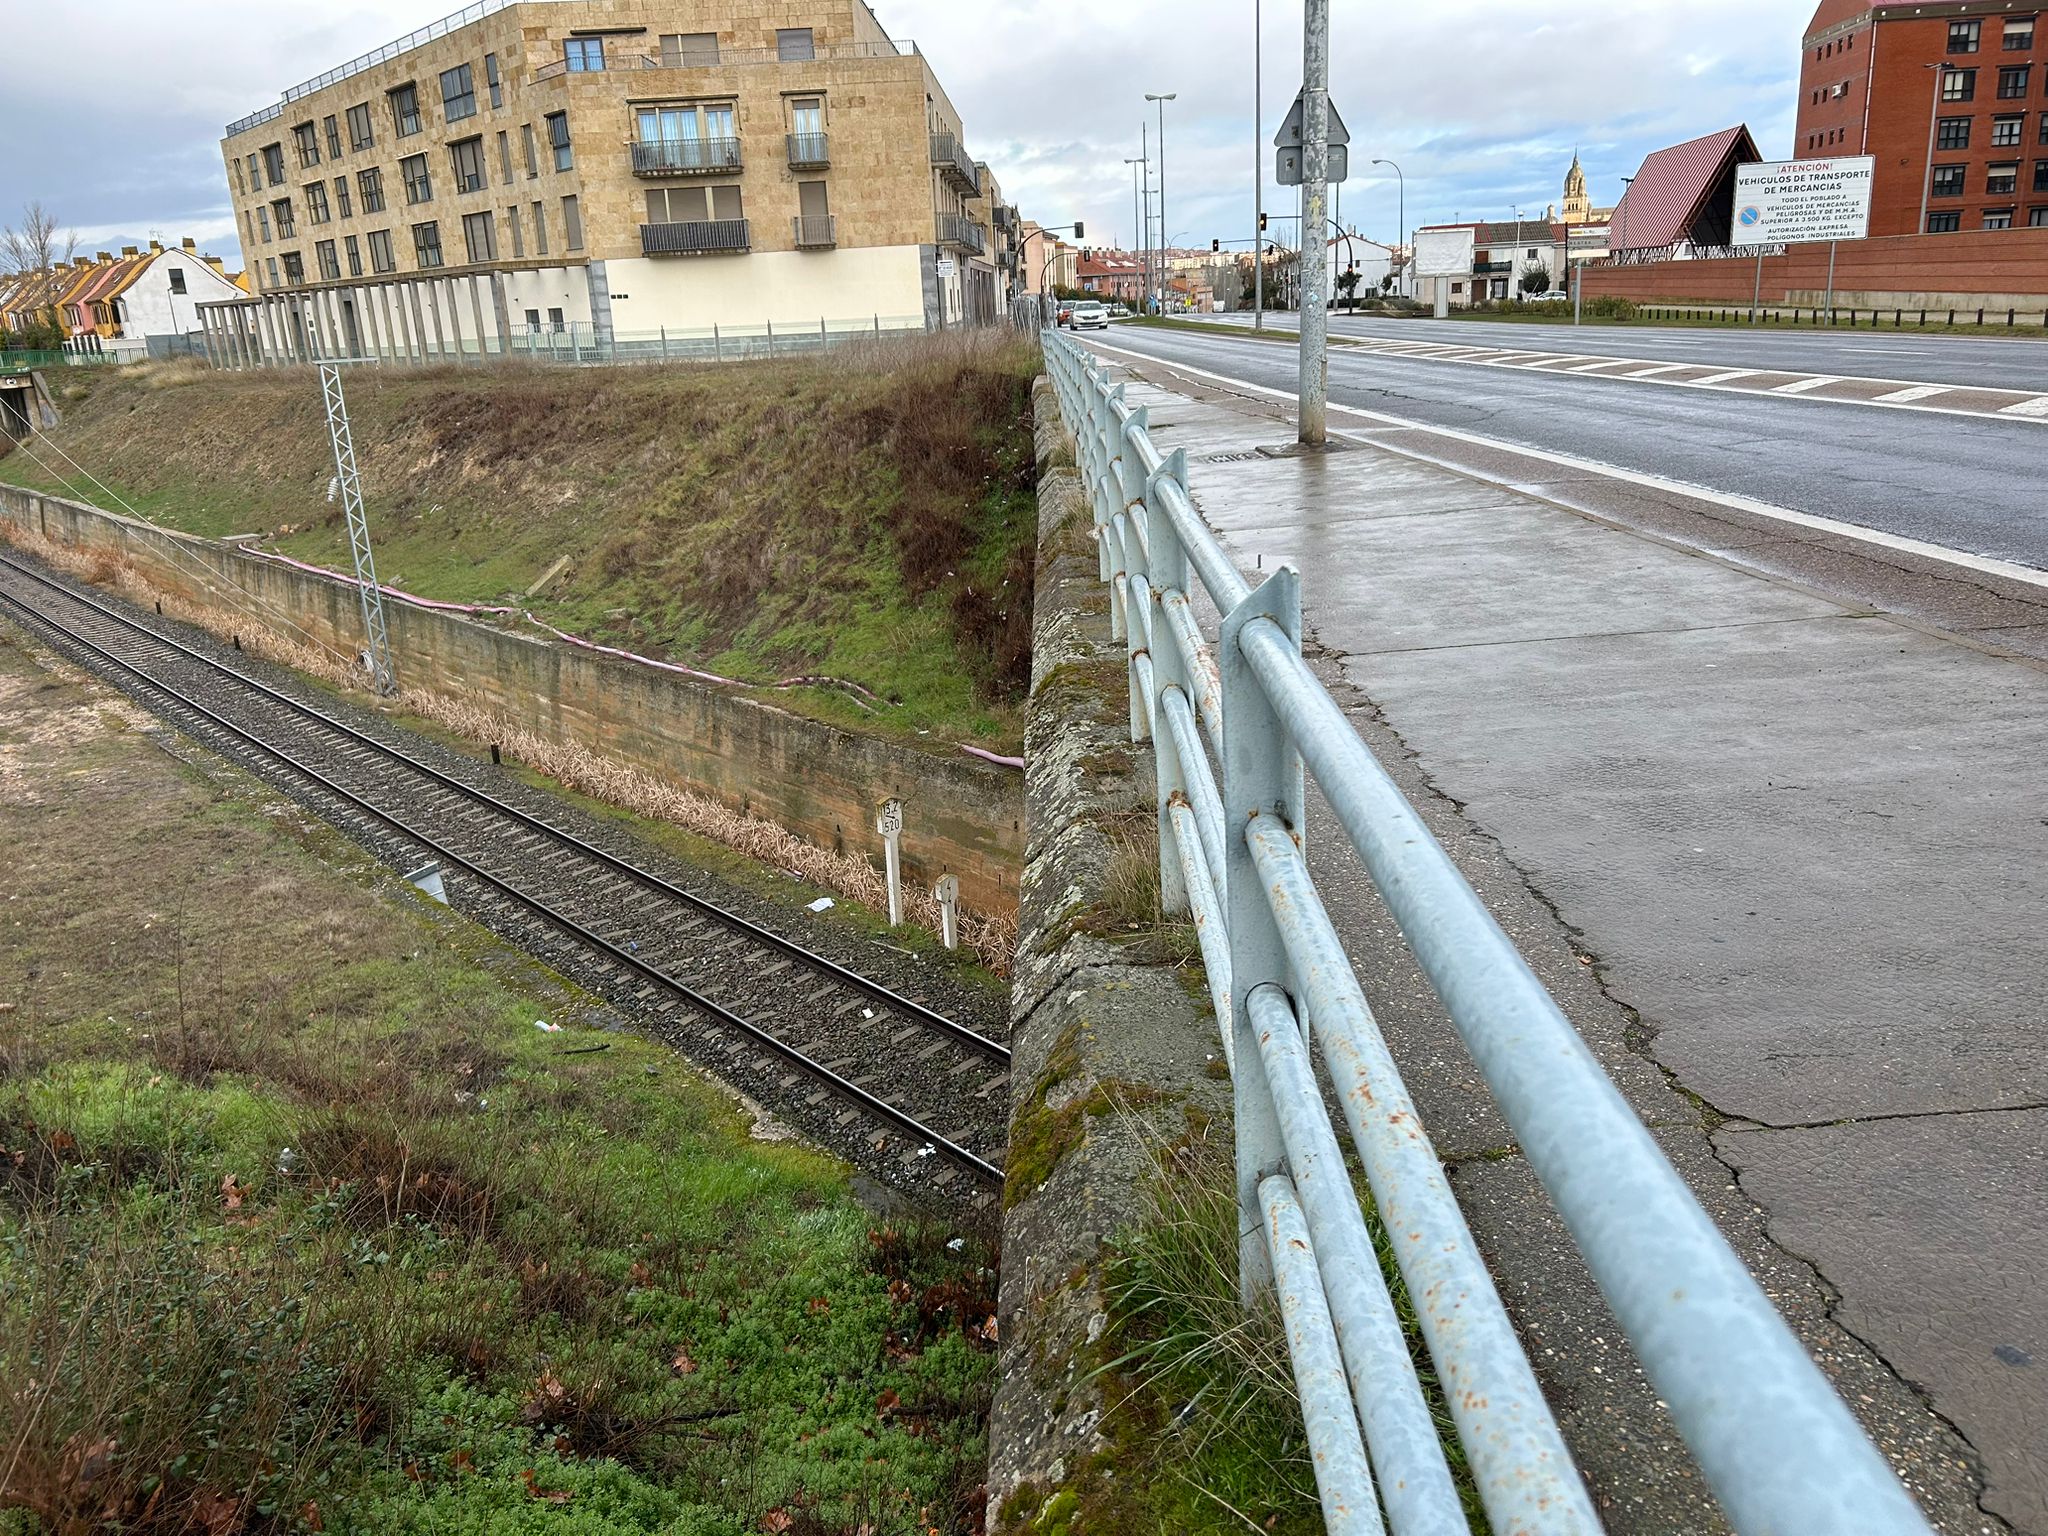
[[1879, 354], [1963, 483]]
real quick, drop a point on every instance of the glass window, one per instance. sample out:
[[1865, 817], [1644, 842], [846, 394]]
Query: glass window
[[1959, 85], [263, 223], [281, 210], [2019, 33], [359, 134], [2001, 178], [1948, 180], [2037, 218], [273, 271], [677, 205], [807, 117], [725, 203], [419, 185], [558, 140], [273, 164], [1944, 222], [458, 93], [491, 80], [381, 259], [2041, 175], [294, 268], [329, 262], [426, 244], [1952, 133], [2007, 132], [236, 166], [518, 231], [332, 127], [526, 144], [480, 236], [572, 224], [177, 279], [689, 50], [1964, 35], [354, 252], [585, 55], [1998, 218], [371, 184], [405, 110], [316, 203], [467, 158], [505, 157], [794, 43], [2012, 83], [254, 171], [341, 206], [308, 139], [540, 229]]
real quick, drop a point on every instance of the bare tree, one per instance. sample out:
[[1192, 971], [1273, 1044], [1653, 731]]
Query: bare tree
[[35, 244]]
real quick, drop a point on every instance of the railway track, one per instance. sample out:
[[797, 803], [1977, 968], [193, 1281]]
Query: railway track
[[906, 1093]]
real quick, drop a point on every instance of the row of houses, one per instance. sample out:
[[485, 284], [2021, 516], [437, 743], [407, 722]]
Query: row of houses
[[116, 302]]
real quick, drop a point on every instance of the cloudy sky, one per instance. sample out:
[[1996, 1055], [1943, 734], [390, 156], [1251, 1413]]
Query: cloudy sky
[[1480, 102]]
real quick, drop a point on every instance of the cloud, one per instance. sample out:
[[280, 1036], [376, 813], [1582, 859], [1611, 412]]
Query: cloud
[[1480, 105]]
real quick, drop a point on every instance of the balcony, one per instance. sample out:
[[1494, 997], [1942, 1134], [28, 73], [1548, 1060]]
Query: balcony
[[816, 231], [809, 151], [961, 233], [955, 165], [685, 157], [701, 237], [1005, 217]]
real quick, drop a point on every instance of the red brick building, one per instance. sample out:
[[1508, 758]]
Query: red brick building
[[1884, 77]]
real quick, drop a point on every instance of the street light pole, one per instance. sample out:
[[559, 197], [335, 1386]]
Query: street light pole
[[1312, 429], [1401, 183], [1941, 70], [1258, 171], [1162, 100], [1137, 213]]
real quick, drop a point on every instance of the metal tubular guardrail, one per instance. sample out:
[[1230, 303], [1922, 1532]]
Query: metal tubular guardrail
[[694, 238], [683, 157], [1776, 1444]]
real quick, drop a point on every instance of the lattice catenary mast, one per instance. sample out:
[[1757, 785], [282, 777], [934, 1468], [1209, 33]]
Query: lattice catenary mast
[[378, 654]]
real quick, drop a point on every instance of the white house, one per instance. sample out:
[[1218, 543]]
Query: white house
[[1373, 260], [158, 300]]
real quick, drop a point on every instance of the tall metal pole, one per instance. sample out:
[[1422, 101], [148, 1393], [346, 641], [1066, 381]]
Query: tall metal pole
[[1401, 193], [371, 595], [1315, 254], [1933, 115], [1258, 172], [1137, 217], [1145, 248], [1164, 244]]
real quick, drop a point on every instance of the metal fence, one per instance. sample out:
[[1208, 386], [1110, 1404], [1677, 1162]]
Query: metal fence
[[1780, 1450]]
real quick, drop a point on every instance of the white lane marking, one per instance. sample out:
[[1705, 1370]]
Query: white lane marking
[[1801, 386], [1989, 564], [1723, 378], [1598, 362], [1917, 392], [2038, 407], [1644, 373]]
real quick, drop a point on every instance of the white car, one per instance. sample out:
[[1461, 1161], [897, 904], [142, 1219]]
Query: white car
[[1089, 315]]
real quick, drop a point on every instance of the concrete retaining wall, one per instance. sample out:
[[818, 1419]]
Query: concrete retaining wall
[[1995, 270], [962, 816]]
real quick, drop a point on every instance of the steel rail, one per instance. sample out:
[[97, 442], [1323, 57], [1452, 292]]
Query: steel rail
[[880, 1108], [615, 862]]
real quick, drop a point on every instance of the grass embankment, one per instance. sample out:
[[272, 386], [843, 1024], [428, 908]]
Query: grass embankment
[[305, 1226], [867, 515]]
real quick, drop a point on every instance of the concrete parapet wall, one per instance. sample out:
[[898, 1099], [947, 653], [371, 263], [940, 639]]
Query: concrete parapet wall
[[962, 816], [1996, 270], [1109, 1051]]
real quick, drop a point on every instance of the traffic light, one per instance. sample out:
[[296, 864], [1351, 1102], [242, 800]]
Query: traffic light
[[1080, 229], [1262, 223], [1215, 246]]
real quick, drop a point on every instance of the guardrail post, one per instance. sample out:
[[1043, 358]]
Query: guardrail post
[[1263, 780], [1168, 569]]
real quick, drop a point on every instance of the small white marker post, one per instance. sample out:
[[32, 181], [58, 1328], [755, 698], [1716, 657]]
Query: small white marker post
[[948, 892], [890, 825]]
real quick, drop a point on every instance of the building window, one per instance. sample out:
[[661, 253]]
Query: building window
[[359, 134], [381, 259], [332, 127], [236, 166], [405, 110], [467, 158], [533, 319], [2012, 83], [518, 231], [2008, 132], [505, 156], [419, 186], [294, 269], [281, 210], [2041, 175], [458, 93], [689, 50], [793, 44], [316, 203], [1963, 36], [540, 229], [491, 79], [255, 172], [526, 143], [585, 55], [1944, 222], [354, 252], [263, 221], [1959, 85], [371, 184], [2037, 218], [426, 244], [307, 138], [177, 279], [2001, 179], [272, 262], [273, 164], [480, 235], [555, 322], [1998, 218], [558, 140], [2019, 34], [572, 224], [341, 206], [329, 263], [1948, 180], [1952, 133], [693, 205]]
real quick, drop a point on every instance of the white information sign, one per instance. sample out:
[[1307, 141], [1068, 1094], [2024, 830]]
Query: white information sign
[[1785, 202]]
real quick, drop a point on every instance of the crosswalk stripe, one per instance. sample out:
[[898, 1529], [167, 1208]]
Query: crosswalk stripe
[[2038, 406], [1801, 386], [1917, 392], [1723, 378], [1644, 373]]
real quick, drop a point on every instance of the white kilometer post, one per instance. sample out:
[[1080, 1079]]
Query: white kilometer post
[[890, 824], [948, 893]]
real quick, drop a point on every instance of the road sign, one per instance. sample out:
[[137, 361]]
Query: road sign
[[890, 822], [1288, 142], [1784, 202], [947, 268]]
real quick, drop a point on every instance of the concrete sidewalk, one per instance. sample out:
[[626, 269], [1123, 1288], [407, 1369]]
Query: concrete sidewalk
[[1781, 858]]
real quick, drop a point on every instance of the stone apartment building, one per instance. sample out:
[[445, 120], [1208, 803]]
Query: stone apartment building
[[611, 169]]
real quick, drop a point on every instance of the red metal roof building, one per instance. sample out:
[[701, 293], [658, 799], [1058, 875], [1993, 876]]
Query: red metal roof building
[[1886, 77], [1683, 198]]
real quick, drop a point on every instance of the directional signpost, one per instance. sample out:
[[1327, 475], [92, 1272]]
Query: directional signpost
[[890, 824]]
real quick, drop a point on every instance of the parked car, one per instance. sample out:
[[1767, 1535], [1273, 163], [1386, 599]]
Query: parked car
[[1088, 314], [1119, 311], [1066, 315]]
